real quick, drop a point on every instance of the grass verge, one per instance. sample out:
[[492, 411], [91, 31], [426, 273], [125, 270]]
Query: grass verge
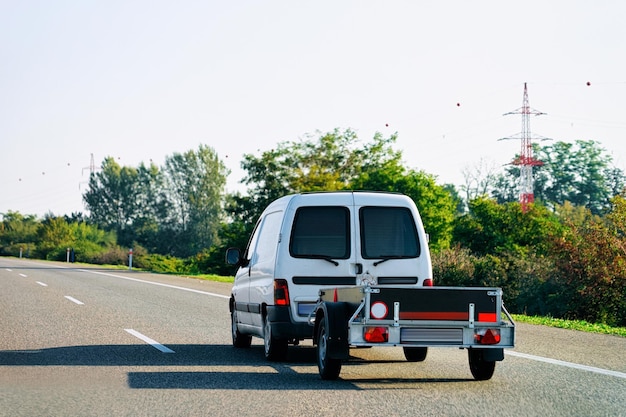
[[571, 324]]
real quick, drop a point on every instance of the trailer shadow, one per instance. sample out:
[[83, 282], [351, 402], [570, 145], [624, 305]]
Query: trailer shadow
[[216, 367]]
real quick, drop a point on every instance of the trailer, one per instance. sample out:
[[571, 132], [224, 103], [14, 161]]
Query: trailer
[[414, 318]]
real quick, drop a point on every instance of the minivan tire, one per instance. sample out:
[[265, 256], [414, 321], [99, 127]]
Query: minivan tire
[[275, 349], [239, 340]]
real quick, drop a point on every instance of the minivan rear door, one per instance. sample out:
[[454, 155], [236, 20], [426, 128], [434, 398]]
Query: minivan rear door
[[390, 243]]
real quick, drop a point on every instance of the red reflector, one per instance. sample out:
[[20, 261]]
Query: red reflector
[[428, 282], [487, 336], [376, 334], [281, 292]]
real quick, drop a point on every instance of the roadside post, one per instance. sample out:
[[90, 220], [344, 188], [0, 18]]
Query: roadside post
[[130, 259]]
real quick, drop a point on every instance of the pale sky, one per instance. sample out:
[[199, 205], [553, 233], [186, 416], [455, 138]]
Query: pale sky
[[140, 80]]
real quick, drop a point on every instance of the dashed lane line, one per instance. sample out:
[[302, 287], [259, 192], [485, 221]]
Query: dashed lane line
[[74, 300], [149, 341]]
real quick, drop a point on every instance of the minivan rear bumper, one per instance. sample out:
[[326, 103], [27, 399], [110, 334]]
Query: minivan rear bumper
[[283, 327]]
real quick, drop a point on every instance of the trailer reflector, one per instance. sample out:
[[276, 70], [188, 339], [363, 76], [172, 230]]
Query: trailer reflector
[[487, 336], [379, 310], [376, 334]]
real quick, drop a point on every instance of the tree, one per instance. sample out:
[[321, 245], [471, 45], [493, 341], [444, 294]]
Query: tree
[[480, 180], [580, 173], [195, 183], [329, 161], [492, 228], [18, 232], [112, 196], [591, 258]]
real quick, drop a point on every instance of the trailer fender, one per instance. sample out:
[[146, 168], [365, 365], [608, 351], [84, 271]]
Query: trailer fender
[[335, 316], [493, 355]]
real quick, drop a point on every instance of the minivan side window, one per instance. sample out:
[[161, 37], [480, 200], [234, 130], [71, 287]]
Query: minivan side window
[[321, 231], [266, 247], [388, 232]]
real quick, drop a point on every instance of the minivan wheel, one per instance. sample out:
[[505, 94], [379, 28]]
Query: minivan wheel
[[239, 340], [275, 349]]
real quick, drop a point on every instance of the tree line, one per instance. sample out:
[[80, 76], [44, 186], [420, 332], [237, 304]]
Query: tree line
[[565, 256]]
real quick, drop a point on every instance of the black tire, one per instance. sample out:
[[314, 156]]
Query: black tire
[[275, 349], [415, 354], [482, 370], [239, 340], [329, 369]]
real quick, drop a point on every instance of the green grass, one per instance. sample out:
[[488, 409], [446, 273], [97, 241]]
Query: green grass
[[209, 277], [571, 324]]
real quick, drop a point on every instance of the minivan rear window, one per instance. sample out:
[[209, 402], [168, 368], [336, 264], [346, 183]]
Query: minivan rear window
[[388, 232], [321, 231]]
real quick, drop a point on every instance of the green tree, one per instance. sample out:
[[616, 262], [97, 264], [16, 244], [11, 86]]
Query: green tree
[[18, 232], [57, 235], [591, 259], [580, 173], [195, 183], [329, 162], [112, 198], [492, 228]]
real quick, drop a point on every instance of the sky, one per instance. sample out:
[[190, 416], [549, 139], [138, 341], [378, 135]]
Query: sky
[[143, 80]]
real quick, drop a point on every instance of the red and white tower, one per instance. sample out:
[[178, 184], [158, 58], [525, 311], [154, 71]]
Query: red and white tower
[[525, 160]]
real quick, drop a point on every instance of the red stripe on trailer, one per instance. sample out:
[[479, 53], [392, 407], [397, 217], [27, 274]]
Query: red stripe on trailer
[[488, 317], [434, 315]]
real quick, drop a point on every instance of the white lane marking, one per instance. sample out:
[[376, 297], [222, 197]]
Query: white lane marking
[[74, 300], [157, 283], [149, 341], [43, 284], [24, 275], [568, 364], [10, 270]]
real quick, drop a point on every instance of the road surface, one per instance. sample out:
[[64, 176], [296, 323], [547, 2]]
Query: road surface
[[85, 341]]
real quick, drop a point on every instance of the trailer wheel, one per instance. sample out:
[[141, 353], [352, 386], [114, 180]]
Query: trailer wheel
[[482, 370], [329, 368], [239, 340], [275, 349], [415, 354]]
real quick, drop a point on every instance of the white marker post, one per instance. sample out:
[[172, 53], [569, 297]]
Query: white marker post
[[67, 257], [130, 259]]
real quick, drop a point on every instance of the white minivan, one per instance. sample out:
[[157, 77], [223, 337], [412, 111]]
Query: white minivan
[[305, 242]]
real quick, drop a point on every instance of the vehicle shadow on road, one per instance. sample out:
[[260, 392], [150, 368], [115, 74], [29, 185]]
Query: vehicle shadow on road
[[230, 368]]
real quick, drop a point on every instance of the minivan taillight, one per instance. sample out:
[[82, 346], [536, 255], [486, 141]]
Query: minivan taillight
[[428, 282], [281, 292]]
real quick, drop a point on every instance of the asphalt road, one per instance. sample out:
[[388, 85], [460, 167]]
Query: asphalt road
[[91, 342]]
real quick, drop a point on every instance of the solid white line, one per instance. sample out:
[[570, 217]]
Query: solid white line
[[74, 300], [568, 364], [157, 283], [24, 275], [41, 283], [149, 341]]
